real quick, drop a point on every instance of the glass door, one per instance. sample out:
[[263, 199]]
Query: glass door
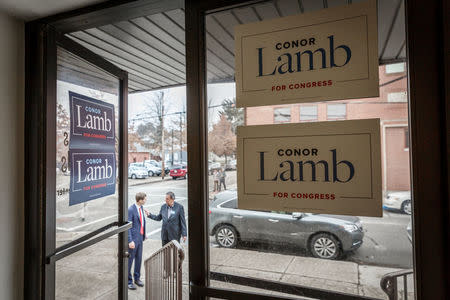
[[85, 210]]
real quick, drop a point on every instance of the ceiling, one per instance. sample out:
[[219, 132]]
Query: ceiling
[[152, 48], [28, 10]]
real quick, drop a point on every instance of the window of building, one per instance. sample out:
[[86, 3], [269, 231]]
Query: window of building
[[282, 115], [336, 111], [397, 97], [395, 68], [308, 113]]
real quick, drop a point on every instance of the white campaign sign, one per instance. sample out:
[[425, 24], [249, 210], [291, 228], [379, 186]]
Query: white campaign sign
[[323, 167], [331, 54]]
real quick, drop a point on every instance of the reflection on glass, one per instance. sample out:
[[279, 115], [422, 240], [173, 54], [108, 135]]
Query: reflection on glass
[[74, 75], [348, 254]]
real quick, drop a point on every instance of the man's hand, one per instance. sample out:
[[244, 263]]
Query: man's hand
[[184, 239], [131, 245], [147, 213]]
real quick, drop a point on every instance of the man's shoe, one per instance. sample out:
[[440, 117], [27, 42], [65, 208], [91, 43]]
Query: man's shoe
[[132, 286], [139, 283]]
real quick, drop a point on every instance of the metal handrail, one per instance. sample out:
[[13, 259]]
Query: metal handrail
[[389, 284], [163, 273]]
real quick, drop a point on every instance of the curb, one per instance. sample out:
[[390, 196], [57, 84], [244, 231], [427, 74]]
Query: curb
[[152, 181]]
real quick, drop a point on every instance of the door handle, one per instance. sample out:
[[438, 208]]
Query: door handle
[[237, 217], [273, 221]]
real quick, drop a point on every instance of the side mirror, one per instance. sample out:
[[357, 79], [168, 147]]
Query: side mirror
[[297, 215]]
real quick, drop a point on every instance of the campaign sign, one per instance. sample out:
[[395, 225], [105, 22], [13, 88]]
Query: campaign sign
[[92, 122], [329, 54], [322, 167], [92, 176]]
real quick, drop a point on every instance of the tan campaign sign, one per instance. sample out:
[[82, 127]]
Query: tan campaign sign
[[323, 167], [330, 54]]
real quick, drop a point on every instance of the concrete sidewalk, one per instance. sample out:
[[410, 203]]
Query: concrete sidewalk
[[92, 272], [342, 276]]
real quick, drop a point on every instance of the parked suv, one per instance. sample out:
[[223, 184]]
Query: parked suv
[[178, 171], [325, 236]]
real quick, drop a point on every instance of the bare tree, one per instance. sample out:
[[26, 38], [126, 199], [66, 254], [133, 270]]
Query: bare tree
[[158, 108]]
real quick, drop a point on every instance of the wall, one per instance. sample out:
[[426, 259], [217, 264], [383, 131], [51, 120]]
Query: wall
[[12, 155]]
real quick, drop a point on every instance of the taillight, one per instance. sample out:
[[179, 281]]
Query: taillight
[[209, 212]]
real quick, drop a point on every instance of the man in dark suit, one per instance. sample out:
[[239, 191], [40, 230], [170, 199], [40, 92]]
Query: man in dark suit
[[174, 222], [136, 237]]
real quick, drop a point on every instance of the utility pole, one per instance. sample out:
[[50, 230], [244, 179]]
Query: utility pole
[[181, 137], [163, 165], [172, 147]]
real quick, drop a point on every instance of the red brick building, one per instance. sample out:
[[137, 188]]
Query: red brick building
[[391, 107]]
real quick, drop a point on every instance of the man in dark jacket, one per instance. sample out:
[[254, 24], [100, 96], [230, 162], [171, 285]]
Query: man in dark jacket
[[136, 237], [174, 222]]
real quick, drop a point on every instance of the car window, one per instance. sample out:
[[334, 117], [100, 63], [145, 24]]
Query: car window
[[229, 204]]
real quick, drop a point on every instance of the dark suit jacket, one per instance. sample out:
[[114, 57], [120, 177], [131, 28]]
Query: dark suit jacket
[[175, 226], [134, 231]]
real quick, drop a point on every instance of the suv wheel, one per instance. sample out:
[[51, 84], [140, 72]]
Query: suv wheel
[[406, 207], [150, 173], [324, 245], [133, 176], [226, 236]]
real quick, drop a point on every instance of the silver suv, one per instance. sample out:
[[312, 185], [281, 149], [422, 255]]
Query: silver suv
[[325, 236]]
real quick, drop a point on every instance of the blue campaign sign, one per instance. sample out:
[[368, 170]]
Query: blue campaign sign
[[92, 122], [93, 175]]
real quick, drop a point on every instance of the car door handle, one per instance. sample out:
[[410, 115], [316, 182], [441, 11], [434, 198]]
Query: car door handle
[[273, 221], [237, 217]]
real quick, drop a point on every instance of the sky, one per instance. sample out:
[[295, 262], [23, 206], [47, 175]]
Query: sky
[[176, 100]]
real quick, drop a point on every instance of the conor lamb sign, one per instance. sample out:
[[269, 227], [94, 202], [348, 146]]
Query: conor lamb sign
[[326, 55], [324, 167]]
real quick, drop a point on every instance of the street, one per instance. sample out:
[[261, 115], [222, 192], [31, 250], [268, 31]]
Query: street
[[385, 242]]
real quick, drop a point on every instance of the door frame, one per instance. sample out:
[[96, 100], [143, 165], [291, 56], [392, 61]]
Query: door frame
[[428, 46], [41, 252]]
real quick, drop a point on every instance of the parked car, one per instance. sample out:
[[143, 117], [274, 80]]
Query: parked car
[[179, 171], [325, 236], [152, 169], [157, 164], [398, 200], [214, 167], [135, 171], [231, 165]]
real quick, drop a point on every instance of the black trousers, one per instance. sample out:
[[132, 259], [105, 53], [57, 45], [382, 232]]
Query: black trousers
[[222, 181]]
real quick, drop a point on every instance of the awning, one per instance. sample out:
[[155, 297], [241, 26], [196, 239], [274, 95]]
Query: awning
[[152, 48]]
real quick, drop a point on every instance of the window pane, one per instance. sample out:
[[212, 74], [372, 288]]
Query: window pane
[[336, 111], [77, 214], [277, 245], [282, 114], [395, 68], [397, 97], [308, 113]]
